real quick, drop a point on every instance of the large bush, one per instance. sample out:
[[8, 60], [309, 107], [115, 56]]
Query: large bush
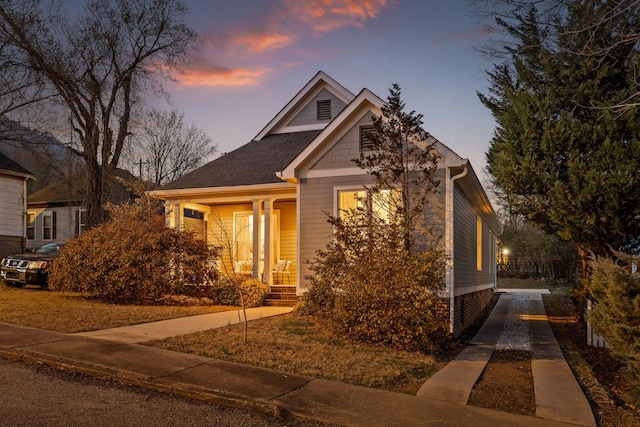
[[616, 315], [134, 258], [370, 289]]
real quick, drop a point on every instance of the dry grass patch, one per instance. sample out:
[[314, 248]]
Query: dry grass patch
[[301, 345], [71, 312]]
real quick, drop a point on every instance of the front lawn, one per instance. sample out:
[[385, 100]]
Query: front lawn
[[70, 312]]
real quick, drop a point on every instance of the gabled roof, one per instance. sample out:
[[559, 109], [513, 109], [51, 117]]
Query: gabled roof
[[72, 190], [254, 163], [319, 81], [9, 167]]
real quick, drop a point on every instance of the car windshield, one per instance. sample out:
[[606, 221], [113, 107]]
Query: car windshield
[[49, 248]]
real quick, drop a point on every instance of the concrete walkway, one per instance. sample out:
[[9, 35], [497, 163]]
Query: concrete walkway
[[114, 355], [557, 392], [182, 325]]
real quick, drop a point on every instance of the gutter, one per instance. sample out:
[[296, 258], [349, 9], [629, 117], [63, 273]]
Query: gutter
[[449, 282]]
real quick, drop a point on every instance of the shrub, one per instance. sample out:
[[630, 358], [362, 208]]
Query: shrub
[[225, 292], [617, 313], [133, 258], [370, 289]]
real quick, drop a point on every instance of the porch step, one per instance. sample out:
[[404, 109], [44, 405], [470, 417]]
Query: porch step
[[281, 296]]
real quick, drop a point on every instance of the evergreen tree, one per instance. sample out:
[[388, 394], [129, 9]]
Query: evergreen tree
[[402, 158], [568, 161]]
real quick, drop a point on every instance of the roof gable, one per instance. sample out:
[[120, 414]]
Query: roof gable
[[10, 167], [284, 121]]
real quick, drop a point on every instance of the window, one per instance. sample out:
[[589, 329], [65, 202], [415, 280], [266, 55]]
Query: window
[[31, 226], [243, 234], [81, 221], [48, 225], [383, 204], [323, 111], [479, 243], [192, 213], [366, 144]]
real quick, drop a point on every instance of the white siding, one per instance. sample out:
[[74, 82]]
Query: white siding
[[12, 207], [65, 224]]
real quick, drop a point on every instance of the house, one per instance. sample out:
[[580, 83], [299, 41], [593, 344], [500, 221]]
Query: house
[[278, 188], [13, 206], [56, 213]]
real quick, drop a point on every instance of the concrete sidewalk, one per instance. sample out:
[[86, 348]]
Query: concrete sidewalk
[[557, 392], [182, 325], [274, 392]]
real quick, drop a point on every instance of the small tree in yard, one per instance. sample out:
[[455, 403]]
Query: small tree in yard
[[617, 313], [378, 281], [134, 258]]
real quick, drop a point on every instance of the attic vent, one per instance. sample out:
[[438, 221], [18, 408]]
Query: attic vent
[[323, 109], [366, 144]]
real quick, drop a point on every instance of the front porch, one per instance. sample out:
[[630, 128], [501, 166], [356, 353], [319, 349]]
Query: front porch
[[258, 236]]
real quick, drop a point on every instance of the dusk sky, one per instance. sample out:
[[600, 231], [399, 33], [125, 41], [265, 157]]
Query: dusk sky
[[258, 54]]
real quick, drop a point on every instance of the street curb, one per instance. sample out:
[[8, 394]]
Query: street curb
[[156, 384]]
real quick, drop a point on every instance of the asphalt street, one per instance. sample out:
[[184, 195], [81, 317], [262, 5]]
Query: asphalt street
[[41, 396]]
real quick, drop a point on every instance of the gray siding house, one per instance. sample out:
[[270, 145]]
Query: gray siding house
[[56, 213], [13, 206], [266, 202]]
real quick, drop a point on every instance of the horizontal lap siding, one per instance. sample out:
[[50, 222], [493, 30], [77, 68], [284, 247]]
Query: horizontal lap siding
[[12, 207], [287, 212], [316, 200], [308, 115], [220, 231]]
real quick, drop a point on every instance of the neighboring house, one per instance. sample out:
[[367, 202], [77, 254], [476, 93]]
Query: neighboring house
[[13, 206], [56, 213], [297, 169]]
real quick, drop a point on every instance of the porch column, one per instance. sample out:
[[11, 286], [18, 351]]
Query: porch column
[[172, 214], [268, 236], [257, 213]]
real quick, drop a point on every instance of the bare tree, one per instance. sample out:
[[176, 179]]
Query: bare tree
[[95, 66], [170, 146]]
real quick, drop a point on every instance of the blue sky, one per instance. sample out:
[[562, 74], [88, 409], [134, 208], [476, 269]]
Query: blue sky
[[257, 55]]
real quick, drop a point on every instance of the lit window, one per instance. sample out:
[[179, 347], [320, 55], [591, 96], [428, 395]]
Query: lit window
[[383, 203], [479, 243], [323, 111]]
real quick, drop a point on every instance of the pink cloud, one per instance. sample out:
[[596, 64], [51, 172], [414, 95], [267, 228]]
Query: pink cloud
[[331, 15], [206, 74], [279, 28]]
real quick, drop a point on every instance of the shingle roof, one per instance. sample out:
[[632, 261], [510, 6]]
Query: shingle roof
[[254, 163], [9, 165], [73, 189]]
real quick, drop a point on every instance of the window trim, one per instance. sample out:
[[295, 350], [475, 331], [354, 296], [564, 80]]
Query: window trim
[[81, 227], [51, 228], [479, 243], [33, 226]]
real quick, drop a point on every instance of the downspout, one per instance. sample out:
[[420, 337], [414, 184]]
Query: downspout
[[450, 219]]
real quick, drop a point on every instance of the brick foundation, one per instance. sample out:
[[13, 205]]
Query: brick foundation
[[467, 307]]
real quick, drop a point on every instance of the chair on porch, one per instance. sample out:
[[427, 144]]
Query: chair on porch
[[280, 269], [243, 268]]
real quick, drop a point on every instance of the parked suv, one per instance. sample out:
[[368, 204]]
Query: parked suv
[[29, 268]]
